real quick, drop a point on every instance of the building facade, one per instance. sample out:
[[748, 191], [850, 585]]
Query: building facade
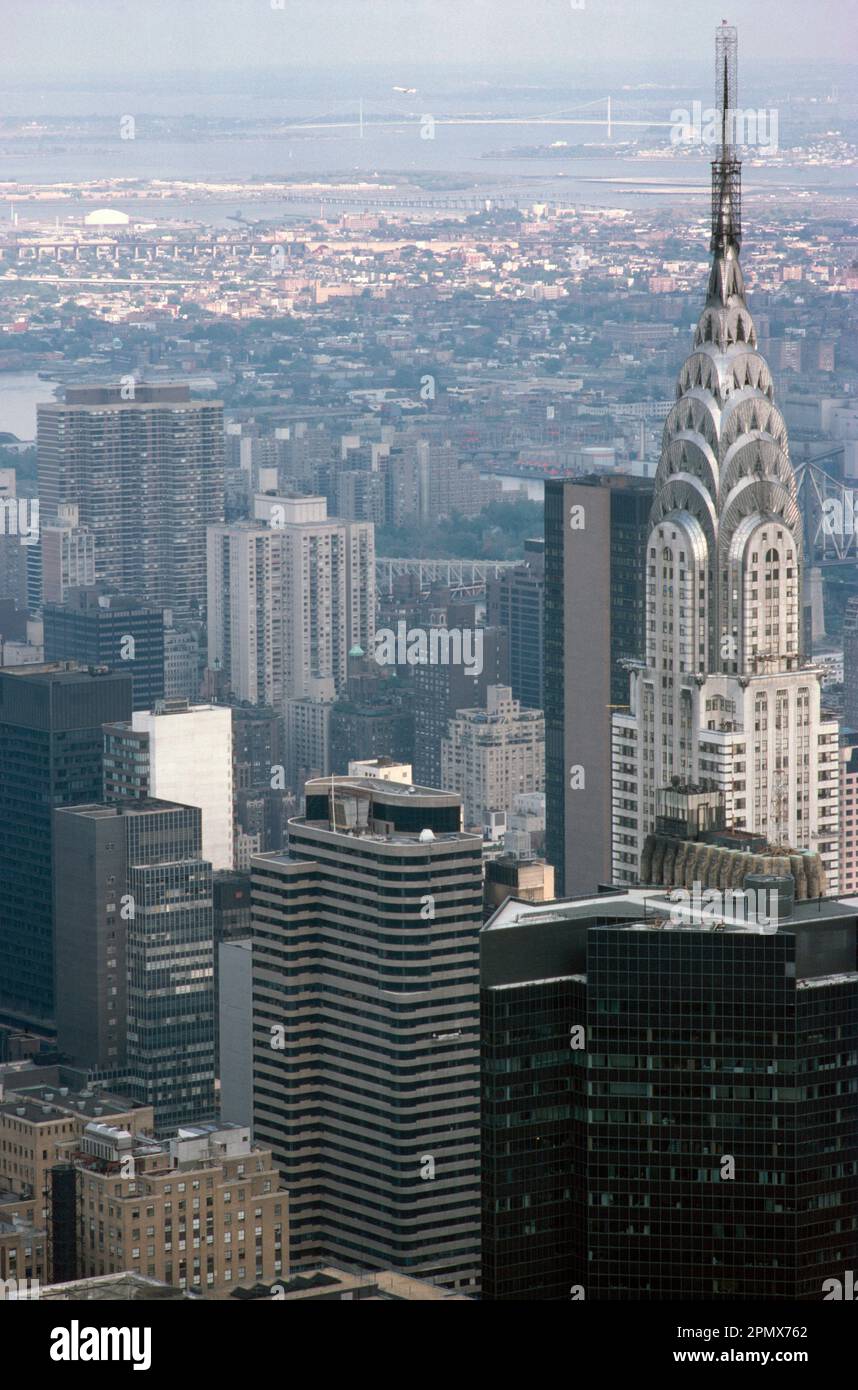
[[51, 744], [106, 630], [366, 1039], [850, 665], [492, 755], [143, 464], [68, 555], [441, 688], [170, 966], [133, 892], [516, 601], [202, 1211], [669, 1107], [290, 594], [849, 817], [595, 540], [178, 752], [723, 695]]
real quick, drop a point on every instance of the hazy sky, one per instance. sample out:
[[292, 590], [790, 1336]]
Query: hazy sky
[[116, 39]]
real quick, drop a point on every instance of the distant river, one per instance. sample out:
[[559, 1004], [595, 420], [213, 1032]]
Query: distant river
[[399, 156], [20, 393]]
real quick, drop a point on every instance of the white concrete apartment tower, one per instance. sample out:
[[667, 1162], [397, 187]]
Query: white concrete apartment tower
[[724, 696], [190, 761]]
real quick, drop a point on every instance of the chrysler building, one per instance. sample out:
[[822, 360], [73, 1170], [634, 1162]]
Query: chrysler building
[[724, 699]]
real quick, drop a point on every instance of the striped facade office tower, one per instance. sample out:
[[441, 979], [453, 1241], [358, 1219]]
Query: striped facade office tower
[[365, 1028]]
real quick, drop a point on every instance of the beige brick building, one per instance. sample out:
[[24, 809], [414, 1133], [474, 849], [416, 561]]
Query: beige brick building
[[202, 1211], [23, 1248], [40, 1125], [489, 756]]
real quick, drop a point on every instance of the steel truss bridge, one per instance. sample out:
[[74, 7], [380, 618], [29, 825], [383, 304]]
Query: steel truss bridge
[[466, 578], [825, 544]]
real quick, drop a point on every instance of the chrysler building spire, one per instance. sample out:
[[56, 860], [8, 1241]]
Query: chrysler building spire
[[723, 699], [726, 168]]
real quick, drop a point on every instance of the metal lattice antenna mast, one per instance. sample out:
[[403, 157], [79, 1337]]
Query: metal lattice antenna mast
[[726, 168]]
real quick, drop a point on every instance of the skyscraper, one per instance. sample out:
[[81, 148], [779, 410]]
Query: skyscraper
[[178, 752], [170, 959], [144, 467], [516, 600], [373, 717], [655, 1121], [51, 744], [290, 594], [366, 1039], [850, 664], [90, 863], [441, 688], [723, 696], [595, 553], [13, 557], [245, 610], [134, 950], [68, 555], [99, 629]]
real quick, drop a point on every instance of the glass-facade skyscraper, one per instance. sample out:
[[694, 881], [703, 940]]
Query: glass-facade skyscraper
[[51, 747], [135, 952], [669, 1111], [170, 954]]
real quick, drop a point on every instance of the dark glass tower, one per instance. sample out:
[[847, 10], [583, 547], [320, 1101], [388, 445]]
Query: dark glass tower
[[135, 952], [50, 755], [595, 559], [170, 953], [533, 1170], [516, 601], [699, 1138], [106, 630]]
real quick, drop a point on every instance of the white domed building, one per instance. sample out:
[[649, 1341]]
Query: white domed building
[[106, 217]]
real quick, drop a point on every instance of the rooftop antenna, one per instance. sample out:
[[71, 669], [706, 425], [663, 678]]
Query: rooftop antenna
[[726, 167]]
